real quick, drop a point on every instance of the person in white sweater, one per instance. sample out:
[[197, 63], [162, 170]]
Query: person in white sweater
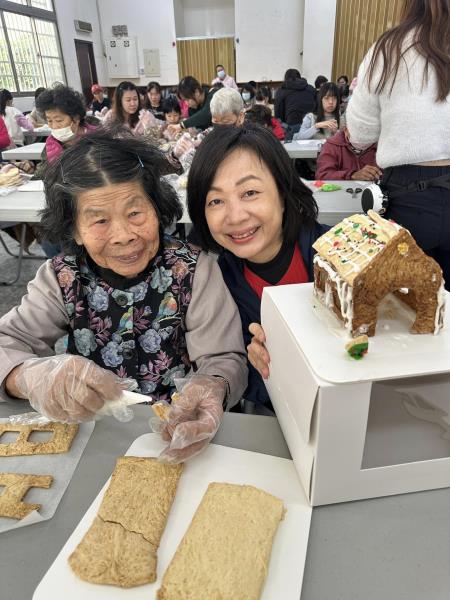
[[14, 119], [402, 101]]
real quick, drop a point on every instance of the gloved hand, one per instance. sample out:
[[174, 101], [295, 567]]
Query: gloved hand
[[66, 387], [184, 144], [194, 417]]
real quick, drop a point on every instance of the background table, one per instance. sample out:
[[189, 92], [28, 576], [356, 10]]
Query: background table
[[23, 205], [304, 149], [395, 548], [39, 132], [29, 152]]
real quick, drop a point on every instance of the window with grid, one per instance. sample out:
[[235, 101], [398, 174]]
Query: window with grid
[[30, 54]]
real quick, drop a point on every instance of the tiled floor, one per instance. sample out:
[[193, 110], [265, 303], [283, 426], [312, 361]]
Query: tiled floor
[[11, 295]]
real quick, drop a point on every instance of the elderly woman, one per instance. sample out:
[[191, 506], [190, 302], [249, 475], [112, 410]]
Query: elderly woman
[[65, 113], [248, 204], [227, 107], [135, 304]]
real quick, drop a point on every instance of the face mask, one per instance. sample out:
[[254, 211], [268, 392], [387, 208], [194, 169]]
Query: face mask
[[221, 74], [246, 96], [63, 135]]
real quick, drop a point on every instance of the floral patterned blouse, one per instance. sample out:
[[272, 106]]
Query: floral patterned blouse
[[136, 331]]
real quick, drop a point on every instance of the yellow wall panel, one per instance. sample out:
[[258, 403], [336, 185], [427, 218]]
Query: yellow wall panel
[[199, 57], [359, 23]]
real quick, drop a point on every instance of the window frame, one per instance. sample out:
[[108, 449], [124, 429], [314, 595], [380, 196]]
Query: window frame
[[34, 13]]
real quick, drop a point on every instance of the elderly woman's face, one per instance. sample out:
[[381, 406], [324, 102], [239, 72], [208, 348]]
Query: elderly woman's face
[[58, 120], [243, 208], [229, 119], [118, 227]]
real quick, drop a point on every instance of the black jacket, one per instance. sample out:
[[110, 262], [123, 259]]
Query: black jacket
[[293, 100], [249, 304]]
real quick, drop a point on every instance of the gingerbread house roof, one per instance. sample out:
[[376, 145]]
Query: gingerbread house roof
[[351, 245]]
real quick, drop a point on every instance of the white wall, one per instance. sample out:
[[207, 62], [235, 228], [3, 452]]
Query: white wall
[[270, 38], [318, 38], [205, 17], [152, 22], [83, 10]]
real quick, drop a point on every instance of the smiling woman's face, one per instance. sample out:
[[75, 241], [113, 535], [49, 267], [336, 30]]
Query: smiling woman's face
[[243, 208], [118, 227]]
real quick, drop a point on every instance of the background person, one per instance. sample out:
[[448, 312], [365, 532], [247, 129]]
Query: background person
[[325, 121], [339, 159], [223, 78], [14, 119], [199, 99], [227, 107], [402, 101], [293, 100], [153, 100], [100, 101]]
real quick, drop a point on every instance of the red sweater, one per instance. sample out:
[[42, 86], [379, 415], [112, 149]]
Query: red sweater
[[338, 161], [277, 130], [5, 140]]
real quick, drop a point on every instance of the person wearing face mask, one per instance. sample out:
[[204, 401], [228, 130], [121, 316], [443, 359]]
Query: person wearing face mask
[[223, 78], [342, 159], [248, 95], [65, 114]]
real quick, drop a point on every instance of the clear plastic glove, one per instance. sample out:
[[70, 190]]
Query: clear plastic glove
[[184, 144], [194, 417], [69, 388]]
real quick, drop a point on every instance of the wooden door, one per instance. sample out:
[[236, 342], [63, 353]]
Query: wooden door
[[359, 23], [199, 57], [86, 66]]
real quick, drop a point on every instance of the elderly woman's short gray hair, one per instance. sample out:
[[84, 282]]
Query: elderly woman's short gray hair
[[226, 101]]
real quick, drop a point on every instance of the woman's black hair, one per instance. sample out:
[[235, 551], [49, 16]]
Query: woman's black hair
[[38, 91], [248, 87], [125, 86], [188, 86], [171, 104], [320, 80], [96, 160], [263, 92], [300, 208], [64, 99], [259, 114], [5, 96], [152, 85], [292, 75], [328, 89]]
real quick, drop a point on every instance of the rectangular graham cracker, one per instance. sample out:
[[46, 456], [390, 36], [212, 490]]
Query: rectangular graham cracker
[[121, 545], [63, 436], [16, 486], [225, 553]]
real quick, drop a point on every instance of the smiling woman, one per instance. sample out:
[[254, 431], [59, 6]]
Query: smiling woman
[[248, 203], [131, 299]]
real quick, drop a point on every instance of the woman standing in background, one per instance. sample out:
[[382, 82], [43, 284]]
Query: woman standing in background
[[402, 101]]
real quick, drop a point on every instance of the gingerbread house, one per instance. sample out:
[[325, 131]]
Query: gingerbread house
[[365, 257]]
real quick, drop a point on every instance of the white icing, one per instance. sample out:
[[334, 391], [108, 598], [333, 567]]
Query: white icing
[[344, 292], [403, 291], [439, 316]]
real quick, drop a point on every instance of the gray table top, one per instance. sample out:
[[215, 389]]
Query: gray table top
[[387, 548]]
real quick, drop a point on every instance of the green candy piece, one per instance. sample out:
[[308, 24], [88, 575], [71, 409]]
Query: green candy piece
[[330, 187], [358, 350]]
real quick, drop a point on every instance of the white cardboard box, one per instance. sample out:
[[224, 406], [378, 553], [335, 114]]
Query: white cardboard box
[[358, 429]]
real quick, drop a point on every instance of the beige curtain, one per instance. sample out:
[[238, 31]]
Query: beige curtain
[[199, 57], [359, 23]]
